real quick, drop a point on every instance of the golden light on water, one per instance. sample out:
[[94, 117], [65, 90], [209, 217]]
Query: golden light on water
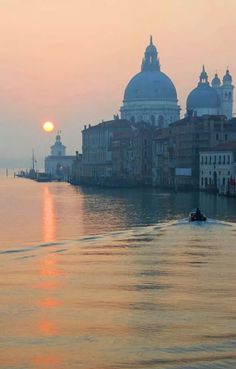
[[48, 126]]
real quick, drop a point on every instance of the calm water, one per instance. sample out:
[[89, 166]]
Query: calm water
[[105, 279]]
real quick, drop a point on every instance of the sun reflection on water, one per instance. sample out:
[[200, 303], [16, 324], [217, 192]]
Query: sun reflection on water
[[49, 216]]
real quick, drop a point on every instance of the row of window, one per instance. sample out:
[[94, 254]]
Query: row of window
[[218, 136], [155, 120], [213, 159], [209, 181], [216, 173]]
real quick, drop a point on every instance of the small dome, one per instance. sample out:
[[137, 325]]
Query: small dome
[[227, 77], [216, 81], [150, 85], [203, 96]]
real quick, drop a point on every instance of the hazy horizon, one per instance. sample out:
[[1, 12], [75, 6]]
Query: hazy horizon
[[71, 63]]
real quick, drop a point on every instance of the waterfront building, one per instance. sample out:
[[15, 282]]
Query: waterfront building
[[214, 99], [76, 170], [150, 95], [132, 155], [161, 165], [176, 150], [117, 153], [218, 169], [58, 164], [97, 149]]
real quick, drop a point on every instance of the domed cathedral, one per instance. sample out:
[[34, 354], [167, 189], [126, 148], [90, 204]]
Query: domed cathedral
[[216, 99], [150, 95]]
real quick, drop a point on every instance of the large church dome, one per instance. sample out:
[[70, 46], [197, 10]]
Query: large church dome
[[150, 85], [150, 95]]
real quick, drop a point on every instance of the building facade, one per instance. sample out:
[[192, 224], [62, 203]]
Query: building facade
[[150, 95], [97, 149], [117, 153], [132, 155], [176, 150], [218, 169]]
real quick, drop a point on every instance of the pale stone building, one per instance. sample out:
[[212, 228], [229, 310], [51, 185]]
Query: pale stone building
[[58, 164], [218, 168]]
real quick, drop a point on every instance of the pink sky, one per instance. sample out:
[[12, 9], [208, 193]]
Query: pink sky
[[70, 60]]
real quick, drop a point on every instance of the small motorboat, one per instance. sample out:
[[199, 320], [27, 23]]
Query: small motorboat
[[197, 216]]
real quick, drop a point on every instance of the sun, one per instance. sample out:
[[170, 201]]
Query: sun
[[48, 126]]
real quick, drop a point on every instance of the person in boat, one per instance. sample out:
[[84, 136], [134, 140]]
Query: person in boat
[[198, 213]]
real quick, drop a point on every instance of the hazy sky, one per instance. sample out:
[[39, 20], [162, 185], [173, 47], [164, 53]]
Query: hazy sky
[[70, 60]]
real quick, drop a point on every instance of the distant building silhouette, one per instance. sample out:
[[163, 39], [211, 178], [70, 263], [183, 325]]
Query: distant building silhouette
[[58, 164]]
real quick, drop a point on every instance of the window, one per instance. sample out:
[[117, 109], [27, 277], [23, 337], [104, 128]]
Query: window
[[217, 136], [153, 120], [219, 161], [206, 160], [214, 159], [226, 137], [202, 158], [228, 159], [209, 159], [202, 181], [132, 119], [224, 159], [160, 121]]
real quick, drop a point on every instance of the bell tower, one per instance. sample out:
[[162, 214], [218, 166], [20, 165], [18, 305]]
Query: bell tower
[[227, 95], [58, 149]]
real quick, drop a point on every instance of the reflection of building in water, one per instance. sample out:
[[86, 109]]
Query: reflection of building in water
[[58, 164], [49, 216]]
